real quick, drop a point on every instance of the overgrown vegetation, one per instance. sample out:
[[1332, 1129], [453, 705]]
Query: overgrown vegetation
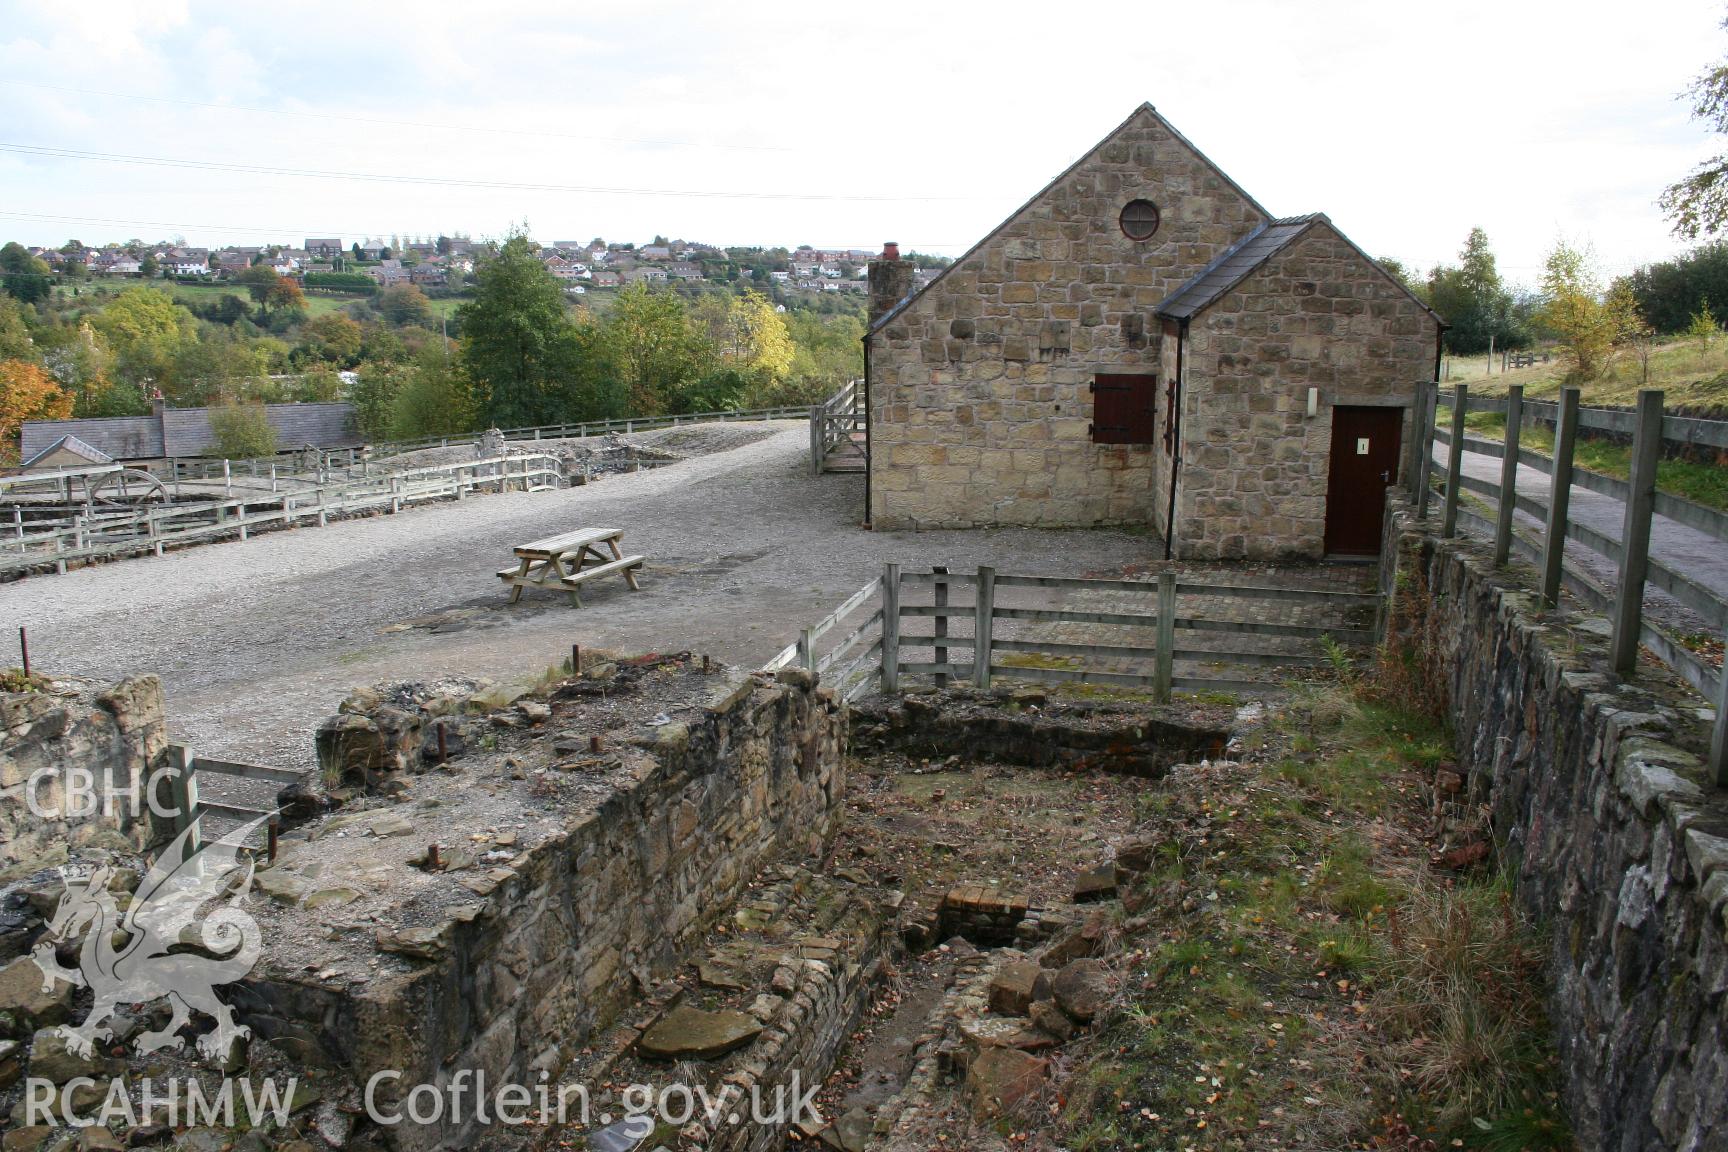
[[1299, 976]]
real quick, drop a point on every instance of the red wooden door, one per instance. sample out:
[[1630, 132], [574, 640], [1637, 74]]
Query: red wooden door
[[1364, 464]]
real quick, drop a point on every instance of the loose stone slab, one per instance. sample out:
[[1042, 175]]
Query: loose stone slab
[[687, 1033]]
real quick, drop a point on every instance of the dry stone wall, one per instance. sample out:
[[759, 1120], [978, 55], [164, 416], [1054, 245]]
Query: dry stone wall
[[558, 943], [980, 387], [1254, 469], [1617, 844], [71, 733]]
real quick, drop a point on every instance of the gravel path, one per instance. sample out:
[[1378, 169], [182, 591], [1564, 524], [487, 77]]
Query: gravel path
[[258, 641]]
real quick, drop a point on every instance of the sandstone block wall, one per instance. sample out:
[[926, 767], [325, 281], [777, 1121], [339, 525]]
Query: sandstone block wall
[[521, 979], [1254, 465], [980, 388], [1620, 847], [115, 734]]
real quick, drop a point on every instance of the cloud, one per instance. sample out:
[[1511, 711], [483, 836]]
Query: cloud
[[1407, 129]]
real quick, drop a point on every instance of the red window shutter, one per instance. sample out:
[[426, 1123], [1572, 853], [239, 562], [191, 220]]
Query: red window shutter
[[1124, 408]]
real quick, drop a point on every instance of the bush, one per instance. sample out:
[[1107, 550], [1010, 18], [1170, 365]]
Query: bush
[[241, 432], [342, 282]]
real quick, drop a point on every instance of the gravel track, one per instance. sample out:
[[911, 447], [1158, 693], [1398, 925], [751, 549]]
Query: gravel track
[[257, 641]]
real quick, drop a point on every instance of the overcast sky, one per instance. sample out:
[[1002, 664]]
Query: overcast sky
[[840, 124]]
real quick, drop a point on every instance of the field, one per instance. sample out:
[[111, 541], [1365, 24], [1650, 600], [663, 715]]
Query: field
[[1689, 374], [317, 303]]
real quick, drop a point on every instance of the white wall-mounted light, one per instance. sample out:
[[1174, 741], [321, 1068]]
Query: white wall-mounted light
[[1313, 403]]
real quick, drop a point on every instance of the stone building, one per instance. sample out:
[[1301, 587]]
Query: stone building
[[1143, 343]]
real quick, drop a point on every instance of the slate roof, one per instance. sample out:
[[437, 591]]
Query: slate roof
[[1234, 266], [75, 446]]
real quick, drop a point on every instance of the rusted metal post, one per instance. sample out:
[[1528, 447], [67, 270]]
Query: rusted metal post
[[1430, 399], [273, 831], [575, 659], [1635, 532], [595, 743], [24, 649], [433, 864]]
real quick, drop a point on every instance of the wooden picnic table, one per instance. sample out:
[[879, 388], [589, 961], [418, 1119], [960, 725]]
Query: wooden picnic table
[[564, 562]]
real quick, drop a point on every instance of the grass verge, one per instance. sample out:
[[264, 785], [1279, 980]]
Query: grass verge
[[1699, 482], [1297, 973]]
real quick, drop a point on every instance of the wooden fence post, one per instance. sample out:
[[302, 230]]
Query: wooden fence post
[[984, 620], [890, 627], [1635, 532], [807, 649], [1454, 461], [1719, 732], [227, 479], [1425, 438], [940, 622], [1559, 494], [1413, 463], [1165, 653], [1509, 476], [815, 439]]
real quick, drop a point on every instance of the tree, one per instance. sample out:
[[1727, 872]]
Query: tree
[[433, 400], [1631, 331], [241, 432], [373, 394], [1575, 310], [405, 305], [1703, 326], [259, 279], [27, 393], [145, 329], [516, 337], [15, 339], [149, 266], [659, 353], [332, 337], [284, 296], [23, 276], [80, 363], [749, 337], [1474, 301], [1698, 205]]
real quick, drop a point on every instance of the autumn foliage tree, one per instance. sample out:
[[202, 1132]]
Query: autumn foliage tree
[[27, 393], [1574, 307]]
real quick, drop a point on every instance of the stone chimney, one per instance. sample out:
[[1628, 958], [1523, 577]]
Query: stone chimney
[[891, 281]]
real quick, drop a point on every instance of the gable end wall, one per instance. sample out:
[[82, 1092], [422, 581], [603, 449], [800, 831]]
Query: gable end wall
[[980, 398]]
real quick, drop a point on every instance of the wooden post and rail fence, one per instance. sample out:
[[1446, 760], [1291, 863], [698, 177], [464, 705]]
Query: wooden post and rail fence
[[152, 528], [837, 427], [1544, 546], [874, 650]]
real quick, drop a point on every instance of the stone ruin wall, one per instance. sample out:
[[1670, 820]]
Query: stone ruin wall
[[1618, 845], [595, 915], [116, 735]]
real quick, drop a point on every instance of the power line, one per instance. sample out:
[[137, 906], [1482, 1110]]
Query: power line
[[248, 228], [489, 131], [451, 181]]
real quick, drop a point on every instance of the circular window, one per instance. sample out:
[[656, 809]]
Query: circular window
[[1139, 219]]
